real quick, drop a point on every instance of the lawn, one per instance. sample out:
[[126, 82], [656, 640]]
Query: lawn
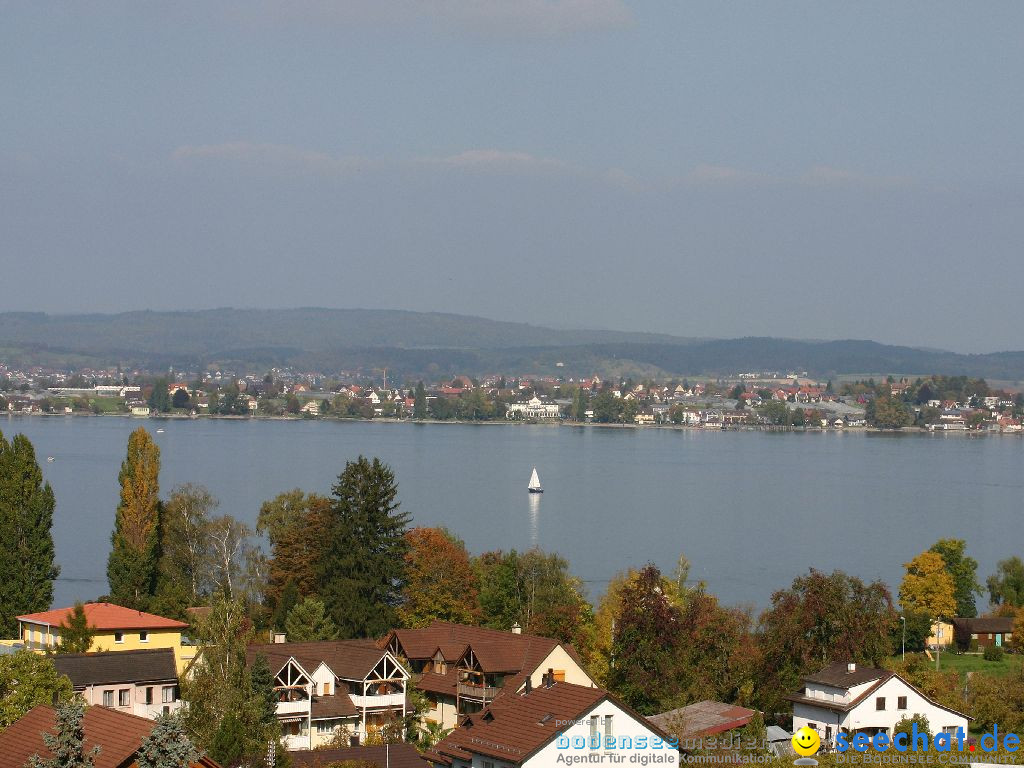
[[970, 662]]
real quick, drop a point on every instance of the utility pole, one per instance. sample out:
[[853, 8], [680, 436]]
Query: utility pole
[[904, 620], [938, 642]]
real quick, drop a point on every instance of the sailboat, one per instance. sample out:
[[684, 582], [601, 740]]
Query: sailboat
[[534, 486]]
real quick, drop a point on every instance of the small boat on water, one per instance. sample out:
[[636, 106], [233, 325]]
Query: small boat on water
[[534, 486], [49, 458], [160, 430]]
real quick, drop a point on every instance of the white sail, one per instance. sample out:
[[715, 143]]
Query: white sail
[[534, 481]]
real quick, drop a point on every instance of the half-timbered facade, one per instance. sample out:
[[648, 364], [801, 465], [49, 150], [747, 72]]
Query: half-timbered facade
[[333, 689]]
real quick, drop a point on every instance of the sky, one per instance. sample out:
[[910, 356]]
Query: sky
[[808, 169]]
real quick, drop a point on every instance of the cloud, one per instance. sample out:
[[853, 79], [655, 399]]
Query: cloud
[[535, 18], [824, 175], [497, 160]]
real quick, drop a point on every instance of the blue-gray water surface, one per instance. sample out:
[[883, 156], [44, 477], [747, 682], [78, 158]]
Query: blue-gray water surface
[[751, 510]]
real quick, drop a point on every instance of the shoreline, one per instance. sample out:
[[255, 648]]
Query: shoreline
[[547, 423]]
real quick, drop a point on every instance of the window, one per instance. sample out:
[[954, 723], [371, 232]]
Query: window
[[901, 702], [108, 698], [327, 689], [143, 636], [559, 675], [593, 728], [609, 732], [488, 764], [124, 697], [149, 695], [169, 694], [880, 704], [119, 637], [324, 727]]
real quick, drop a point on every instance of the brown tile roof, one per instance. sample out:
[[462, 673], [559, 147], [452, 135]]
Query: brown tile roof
[[156, 665], [395, 756], [118, 735], [984, 625], [106, 616], [705, 718], [839, 676], [348, 659], [445, 684], [338, 705]]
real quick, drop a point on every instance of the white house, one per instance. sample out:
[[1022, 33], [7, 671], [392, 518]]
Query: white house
[[143, 683], [554, 724], [331, 686], [535, 408], [865, 700]]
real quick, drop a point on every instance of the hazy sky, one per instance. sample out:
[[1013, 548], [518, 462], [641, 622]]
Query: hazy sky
[[806, 169]]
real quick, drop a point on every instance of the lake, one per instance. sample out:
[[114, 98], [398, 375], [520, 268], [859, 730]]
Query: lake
[[751, 510]]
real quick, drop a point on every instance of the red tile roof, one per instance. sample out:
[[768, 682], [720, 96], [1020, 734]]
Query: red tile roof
[[106, 616], [118, 735]]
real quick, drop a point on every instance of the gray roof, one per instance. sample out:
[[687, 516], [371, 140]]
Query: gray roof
[[149, 666], [839, 675]]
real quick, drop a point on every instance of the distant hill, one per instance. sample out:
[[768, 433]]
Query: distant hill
[[436, 344]]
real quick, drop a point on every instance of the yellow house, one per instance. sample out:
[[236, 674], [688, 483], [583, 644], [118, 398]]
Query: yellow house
[[116, 629], [941, 634]]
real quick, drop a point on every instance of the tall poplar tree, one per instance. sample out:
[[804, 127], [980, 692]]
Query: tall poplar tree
[[362, 570], [132, 566], [26, 538], [419, 405]]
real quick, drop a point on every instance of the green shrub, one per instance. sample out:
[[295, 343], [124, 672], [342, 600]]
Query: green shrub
[[993, 653]]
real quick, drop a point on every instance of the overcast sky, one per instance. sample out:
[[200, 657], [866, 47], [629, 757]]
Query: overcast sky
[[804, 169]]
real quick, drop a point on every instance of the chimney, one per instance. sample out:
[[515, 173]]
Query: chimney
[[516, 629], [851, 668], [549, 678], [529, 686], [279, 637]]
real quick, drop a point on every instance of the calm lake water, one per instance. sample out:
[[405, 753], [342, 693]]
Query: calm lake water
[[751, 510]]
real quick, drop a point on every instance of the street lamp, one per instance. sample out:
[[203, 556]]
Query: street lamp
[[904, 620]]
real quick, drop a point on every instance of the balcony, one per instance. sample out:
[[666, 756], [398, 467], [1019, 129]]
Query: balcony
[[300, 707], [300, 741], [376, 701], [477, 692]]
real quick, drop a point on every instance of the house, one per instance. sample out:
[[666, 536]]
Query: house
[[388, 756], [118, 735], [115, 629], [311, 408], [692, 723], [535, 408], [461, 669], [329, 687], [143, 683], [140, 410], [940, 634], [553, 724], [855, 699], [994, 630]]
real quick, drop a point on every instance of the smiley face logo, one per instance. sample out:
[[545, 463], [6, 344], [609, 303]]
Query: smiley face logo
[[806, 742]]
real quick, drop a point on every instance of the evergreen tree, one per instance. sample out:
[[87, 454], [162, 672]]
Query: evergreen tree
[[362, 571], [229, 741], [288, 600], [419, 408], [308, 621], [159, 400], [264, 696], [75, 633], [132, 565], [68, 744], [167, 746], [26, 539]]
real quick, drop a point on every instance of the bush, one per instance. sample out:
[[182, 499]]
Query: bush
[[993, 653]]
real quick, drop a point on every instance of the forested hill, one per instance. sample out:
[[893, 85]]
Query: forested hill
[[434, 344]]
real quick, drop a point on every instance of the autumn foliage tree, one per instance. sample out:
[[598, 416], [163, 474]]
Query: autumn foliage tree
[[132, 565], [440, 581], [822, 618], [294, 523], [927, 587]]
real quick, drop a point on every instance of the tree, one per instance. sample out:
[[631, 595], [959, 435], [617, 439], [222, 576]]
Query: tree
[[185, 540], [906, 725], [887, 413], [230, 553], [67, 745], [440, 581], [159, 399], [997, 700], [927, 586], [132, 565], [181, 399], [309, 621], [294, 523], [607, 408], [535, 590], [821, 618], [262, 681], [167, 746], [362, 571], [26, 540], [27, 680], [578, 411], [648, 632], [283, 605], [964, 572], [75, 633], [1006, 585]]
